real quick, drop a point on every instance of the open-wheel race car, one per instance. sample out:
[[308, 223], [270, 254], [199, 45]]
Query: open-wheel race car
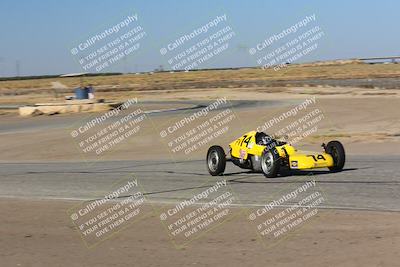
[[261, 153]]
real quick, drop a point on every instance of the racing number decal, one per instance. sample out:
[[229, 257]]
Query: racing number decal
[[246, 139], [240, 140], [316, 158]]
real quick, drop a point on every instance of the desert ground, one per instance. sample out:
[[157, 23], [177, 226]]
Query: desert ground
[[41, 234]]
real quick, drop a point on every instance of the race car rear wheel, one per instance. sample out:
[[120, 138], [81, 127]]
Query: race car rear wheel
[[270, 162], [336, 150], [216, 160]]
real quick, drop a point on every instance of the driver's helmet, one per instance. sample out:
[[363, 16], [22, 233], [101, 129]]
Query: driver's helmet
[[263, 139]]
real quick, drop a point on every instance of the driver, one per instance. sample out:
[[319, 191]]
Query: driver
[[263, 139]]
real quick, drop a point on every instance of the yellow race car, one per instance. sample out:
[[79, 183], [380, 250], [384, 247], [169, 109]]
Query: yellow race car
[[259, 152]]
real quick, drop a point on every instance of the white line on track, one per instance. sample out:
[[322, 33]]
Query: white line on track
[[244, 205]]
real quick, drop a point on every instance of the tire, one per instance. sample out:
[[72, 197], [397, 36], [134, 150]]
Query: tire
[[270, 162], [336, 150], [216, 160]]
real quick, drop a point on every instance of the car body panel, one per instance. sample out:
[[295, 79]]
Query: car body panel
[[310, 160], [246, 145]]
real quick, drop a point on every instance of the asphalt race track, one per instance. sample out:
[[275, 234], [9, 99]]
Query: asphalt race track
[[369, 182]]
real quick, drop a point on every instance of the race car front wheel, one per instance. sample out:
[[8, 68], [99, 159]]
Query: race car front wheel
[[336, 150], [270, 163], [216, 160]]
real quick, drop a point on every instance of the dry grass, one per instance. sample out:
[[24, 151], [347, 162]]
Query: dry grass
[[192, 79], [191, 83]]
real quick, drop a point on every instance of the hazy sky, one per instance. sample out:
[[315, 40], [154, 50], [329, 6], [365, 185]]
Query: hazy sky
[[40, 34]]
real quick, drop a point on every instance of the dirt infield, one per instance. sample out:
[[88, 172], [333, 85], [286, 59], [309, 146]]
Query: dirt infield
[[40, 233], [365, 125]]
